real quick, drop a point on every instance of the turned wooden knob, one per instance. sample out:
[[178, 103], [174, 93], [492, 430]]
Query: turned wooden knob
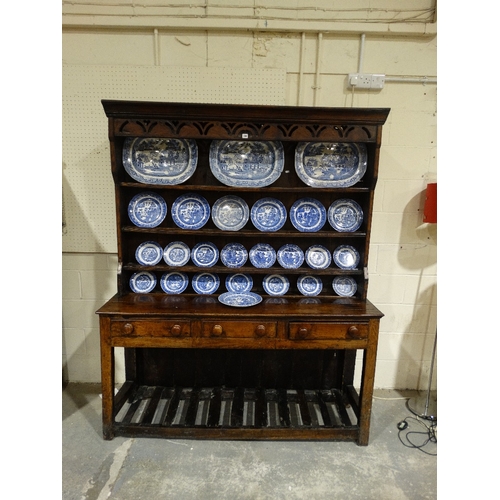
[[303, 333], [260, 331], [128, 328], [176, 330], [217, 330], [353, 332]]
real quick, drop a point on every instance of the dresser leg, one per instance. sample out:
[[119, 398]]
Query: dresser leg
[[107, 380]]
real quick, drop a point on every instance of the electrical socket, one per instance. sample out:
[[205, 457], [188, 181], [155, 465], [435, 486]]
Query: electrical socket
[[373, 81]]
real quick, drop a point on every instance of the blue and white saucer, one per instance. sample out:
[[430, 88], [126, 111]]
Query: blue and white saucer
[[268, 214], [309, 285], [239, 283], [142, 282], [190, 211], [275, 284], [262, 255], [308, 215], [230, 213], [345, 215], [290, 256], [345, 286], [175, 282], [149, 253], [346, 257], [176, 253], [240, 299], [318, 257], [205, 254], [205, 283], [234, 255], [147, 210]]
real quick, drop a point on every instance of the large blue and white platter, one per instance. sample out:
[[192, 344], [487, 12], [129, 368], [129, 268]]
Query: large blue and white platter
[[205, 254], [345, 215], [142, 282], [234, 299], [174, 282], [275, 284], [308, 215], [290, 256], [190, 211], [147, 210], [205, 283], [268, 214], [330, 164], [345, 286], [246, 163], [230, 213], [239, 283], [262, 255], [176, 253], [149, 253], [309, 285], [234, 255], [160, 161], [346, 257], [318, 257]]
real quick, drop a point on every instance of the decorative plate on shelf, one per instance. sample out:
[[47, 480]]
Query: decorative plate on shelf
[[262, 255], [142, 282], [345, 286], [149, 253], [190, 211], [205, 283], [176, 253], [246, 163], [234, 255], [309, 285], [318, 257], [240, 299], [239, 283], [159, 160], [230, 213], [345, 215], [147, 210], [346, 257], [268, 214], [275, 284], [175, 282], [308, 215], [330, 164], [290, 256], [205, 254]]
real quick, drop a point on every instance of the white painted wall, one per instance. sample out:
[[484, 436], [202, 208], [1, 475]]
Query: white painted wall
[[403, 253]]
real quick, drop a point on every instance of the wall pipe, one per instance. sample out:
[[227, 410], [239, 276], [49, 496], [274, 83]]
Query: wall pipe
[[361, 53], [301, 68], [318, 67], [157, 47]]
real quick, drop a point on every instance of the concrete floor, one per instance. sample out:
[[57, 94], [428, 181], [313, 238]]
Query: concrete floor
[[151, 469]]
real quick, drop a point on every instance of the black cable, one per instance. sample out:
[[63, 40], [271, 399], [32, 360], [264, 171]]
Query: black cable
[[431, 435]]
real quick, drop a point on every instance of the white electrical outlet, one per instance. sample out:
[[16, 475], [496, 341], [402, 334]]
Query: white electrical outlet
[[366, 80]]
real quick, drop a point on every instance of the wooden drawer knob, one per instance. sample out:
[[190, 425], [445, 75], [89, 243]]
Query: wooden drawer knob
[[176, 330], [260, 331], [302, 333], [128, 328], [217, 330], [353, 332]]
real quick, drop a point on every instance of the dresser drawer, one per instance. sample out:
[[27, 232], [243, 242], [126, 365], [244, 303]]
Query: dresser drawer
[[238, 329], [153, 328], [324, 331]]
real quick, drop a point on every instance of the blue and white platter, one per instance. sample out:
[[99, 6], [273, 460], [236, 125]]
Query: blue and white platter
[[142, 282], [308, 215], [290, 256], [205, 283], [309, 285], [205, 254], [190, 211], [345, 215], [246, 163], [275, 284], [147, 210], [318, 257], [149, 253], [159, 160], [234, 255], [239, 283], [330, 164], [176, 253], [230, 213], [240, 299], [174, 283], [345, 286], [262, 255], [268, 214], [346, 257]]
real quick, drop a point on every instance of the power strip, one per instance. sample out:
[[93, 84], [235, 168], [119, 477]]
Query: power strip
[[372, 81]]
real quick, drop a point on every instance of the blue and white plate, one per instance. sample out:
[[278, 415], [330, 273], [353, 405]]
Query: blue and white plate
[[308, 215], [176, 253], [190, 211], [262, 255], [309, 285], [345, 215], [290, 256], [175, 282], [239, 283], [268, 214], [149, 253], [318, 257], [330, 164], [230, 213], [147, 210], [246, 163], [205, 283], [158, 160], [346, 257], [240, 299], [275, 284], [234, 255], [142, 282], [205, 254], [345, 286]]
